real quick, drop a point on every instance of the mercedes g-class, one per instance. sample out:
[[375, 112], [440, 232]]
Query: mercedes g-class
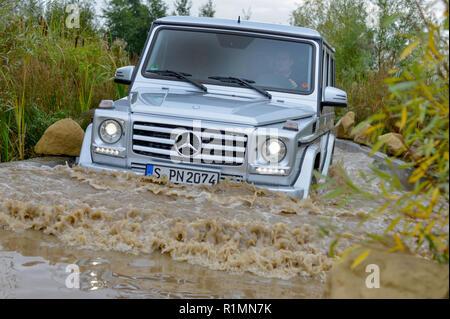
[[212, 99]]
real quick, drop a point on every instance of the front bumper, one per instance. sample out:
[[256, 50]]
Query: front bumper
[[290, 191], [85, 161]]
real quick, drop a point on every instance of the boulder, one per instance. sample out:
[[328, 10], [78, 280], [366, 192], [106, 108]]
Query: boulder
[[401, 275], [345, 125], [64, 137], [361, 137], [393, 143]]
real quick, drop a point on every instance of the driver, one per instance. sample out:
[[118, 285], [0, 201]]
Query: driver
[[283, 67]]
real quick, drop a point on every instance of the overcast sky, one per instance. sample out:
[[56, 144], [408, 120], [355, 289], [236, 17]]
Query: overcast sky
[[271, 11]]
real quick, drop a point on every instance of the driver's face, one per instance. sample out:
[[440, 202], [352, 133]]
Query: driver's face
[[283, 63]]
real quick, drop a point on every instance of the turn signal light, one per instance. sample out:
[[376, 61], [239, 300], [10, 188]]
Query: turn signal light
[[106, 104], [291, 125]]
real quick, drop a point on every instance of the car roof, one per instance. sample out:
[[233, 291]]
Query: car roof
[[242, 25]]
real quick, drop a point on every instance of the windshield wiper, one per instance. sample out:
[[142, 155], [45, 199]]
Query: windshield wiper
[[180, 75], [244, 82]]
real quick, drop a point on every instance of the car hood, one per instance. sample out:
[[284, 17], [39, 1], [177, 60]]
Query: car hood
[[215, 107]]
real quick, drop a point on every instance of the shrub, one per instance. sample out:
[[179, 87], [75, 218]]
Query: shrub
[[48, 71], [417, 108]]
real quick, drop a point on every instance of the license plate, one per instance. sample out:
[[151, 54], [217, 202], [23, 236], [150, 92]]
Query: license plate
[[183, 176]]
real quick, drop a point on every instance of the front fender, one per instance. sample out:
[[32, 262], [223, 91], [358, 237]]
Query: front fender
[[85, 154], [329, 154], [304, 179]]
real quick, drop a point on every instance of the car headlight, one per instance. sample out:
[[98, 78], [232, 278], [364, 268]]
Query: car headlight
[[110, 131], [273, 150]]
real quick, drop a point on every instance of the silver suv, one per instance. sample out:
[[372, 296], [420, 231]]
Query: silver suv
[[212, 99]]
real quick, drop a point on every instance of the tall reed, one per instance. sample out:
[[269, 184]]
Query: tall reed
[[49, 72]]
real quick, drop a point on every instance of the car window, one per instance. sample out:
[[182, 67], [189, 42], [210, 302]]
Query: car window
[[270, 63]]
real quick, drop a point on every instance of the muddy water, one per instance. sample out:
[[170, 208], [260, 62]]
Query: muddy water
[[132, 236]]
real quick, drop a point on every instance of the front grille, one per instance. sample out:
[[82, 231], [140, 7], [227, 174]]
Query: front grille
[[218, 147], [138, 168]]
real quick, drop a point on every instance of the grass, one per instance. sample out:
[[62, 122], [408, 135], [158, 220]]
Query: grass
[[47, 73]]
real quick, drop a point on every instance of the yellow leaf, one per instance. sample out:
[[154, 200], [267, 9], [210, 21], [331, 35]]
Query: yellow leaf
[[393, 223], [393, 249], [387, 195], [430, 226], [419, 172], [404, 118], [433, 48], [398, 242], [426, 91], [416, 175], [374, 128], [420, 238], [409, 49], [416, 229], [434, 197], [360, 258], [419, 215], [347, 251]]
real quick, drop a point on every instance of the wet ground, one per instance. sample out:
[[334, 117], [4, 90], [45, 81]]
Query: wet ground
[[132, 237]]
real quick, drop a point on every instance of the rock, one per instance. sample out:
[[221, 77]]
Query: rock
[[393, 143], [345, 125], [401, 275], [64, 137], [361, 137]]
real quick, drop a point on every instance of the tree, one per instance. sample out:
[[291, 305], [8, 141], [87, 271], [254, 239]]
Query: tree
[[365, 49], [56, 14], [158, 9], [207, 10], [343, 24], [361, 45], [30, 9], [417, 111], [395, 18], [130, 20], [182, 7]]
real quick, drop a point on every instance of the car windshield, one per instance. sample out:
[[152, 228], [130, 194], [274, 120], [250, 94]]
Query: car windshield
[[211, 56]]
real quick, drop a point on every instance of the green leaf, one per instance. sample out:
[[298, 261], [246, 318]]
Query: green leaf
[[403, 86], [332, 254], [377, 146], [335, 193]]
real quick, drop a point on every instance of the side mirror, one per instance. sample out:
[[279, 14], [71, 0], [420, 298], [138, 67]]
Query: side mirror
[[124, 74], [334, 97]]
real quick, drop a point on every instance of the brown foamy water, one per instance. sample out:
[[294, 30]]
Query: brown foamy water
[[133, 236]]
